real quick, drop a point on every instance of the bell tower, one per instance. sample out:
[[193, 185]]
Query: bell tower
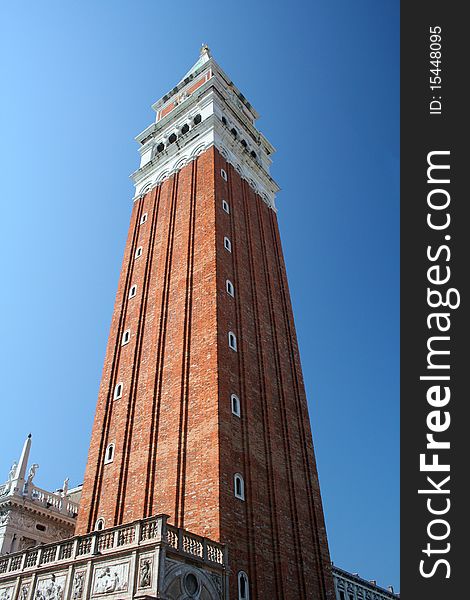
[[201, 413]]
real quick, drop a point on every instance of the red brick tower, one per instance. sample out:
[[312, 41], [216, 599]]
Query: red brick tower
[[202, 413]]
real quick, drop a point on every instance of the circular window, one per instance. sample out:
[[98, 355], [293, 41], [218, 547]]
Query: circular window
[[185, 128], [191, 584], [172, 138]]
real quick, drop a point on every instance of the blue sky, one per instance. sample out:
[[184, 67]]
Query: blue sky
[[78, 79]]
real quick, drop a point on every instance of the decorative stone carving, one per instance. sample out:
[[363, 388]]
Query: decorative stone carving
[[145, 573], [6, 593], [25, 521], [5, 517], [26, 542], [24, 591], [185, 581], [77, 588], [50, 589], [112, 578], [217, 581]]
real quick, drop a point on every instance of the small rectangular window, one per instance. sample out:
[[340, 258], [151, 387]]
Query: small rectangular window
[[126, 336], [239, 485], [109, 454], [132, 291], [232, 341], [223, 174], [138, 252], [143, 218], [225, 206], [118, 391], [227, 244], [235, 400]]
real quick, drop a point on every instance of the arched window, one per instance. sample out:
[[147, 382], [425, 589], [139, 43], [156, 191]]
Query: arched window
[[143, 218], [234, 132], [185, 128], [172, 138], [133, 291], [109, 454], [243, 588], [225, 206], [99, 525], [126, 336], [197, 119], [230, 288], [239, 486], [227, 244], [118, 391], [232, 341], [235, 401], [243, 143], [138, 252], [224, 120], [223, 174], [253, 154]]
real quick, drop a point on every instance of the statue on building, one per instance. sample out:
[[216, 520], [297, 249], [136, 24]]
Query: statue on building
[[12, 473], [32, 472]]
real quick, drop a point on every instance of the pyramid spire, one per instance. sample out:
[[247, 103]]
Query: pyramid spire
[[204, 56]]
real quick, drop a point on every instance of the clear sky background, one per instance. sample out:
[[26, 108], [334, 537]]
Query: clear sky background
[[78, 79]]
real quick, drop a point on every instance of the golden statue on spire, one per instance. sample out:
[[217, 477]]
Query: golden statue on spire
[[205, 49]]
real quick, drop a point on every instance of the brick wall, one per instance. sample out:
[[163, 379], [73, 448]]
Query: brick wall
[[178, 445]]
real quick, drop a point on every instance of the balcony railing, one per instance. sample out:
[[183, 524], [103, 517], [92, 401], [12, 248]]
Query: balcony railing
[[152, 530], [54, 501]]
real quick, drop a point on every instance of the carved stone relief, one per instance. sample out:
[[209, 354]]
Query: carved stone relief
[[51, 588], [28, 522], [6, 593], [217, 581], [25, 543], [77, 586], [24, 591], [111, 578], [145, 572]]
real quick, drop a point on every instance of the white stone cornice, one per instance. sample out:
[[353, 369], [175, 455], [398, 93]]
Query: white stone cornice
[[210, 132], [31, 507]]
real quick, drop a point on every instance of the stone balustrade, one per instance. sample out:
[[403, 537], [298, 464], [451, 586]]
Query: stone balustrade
[[53, 501], [100, 542], [145, 559]]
